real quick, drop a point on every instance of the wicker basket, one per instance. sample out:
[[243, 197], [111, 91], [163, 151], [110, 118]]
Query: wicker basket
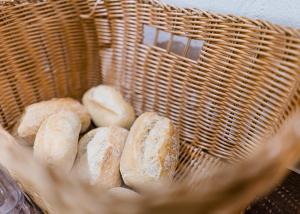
[[229, 84]]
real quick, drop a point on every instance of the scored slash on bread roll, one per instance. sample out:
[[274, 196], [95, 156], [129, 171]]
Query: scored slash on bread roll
[[151, 151], [107, 107], [99, 153], [36, 113], [57, 140]]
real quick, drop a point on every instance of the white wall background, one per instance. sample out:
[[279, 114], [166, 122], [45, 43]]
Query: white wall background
[[284, 12]]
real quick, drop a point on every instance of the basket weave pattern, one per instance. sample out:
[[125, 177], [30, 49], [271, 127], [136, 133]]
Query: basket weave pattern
[[46, 51], [226, 103], [240, 89]]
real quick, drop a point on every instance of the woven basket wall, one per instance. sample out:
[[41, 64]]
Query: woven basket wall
[[226, 102]]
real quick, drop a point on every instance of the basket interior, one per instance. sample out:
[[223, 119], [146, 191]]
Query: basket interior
[[238, 90], [235, 89]]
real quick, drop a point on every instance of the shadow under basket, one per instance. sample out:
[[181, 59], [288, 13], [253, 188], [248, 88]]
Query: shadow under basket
[[228, 83]]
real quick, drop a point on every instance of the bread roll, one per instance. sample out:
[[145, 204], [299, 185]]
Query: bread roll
[[99, 154], [107, 107], [151, 151], [5, 138], [36, 113], [122, 192], [57, 140]]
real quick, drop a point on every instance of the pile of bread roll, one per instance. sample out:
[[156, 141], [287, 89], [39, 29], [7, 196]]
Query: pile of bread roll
[[139, 152]]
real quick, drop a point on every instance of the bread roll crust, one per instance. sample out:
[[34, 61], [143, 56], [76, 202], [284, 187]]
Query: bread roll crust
[[107, 107], [122, 192], [57, 140], [99, 153], [36, 113], [151, 151]]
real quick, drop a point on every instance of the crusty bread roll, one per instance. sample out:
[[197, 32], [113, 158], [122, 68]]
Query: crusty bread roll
[[36, 113], [57, 140], [122, 192], [151, 151], [107, 107], [5, 138], [99, 153]]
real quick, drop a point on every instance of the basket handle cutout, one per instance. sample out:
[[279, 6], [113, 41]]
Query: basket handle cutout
[[176, 44]]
